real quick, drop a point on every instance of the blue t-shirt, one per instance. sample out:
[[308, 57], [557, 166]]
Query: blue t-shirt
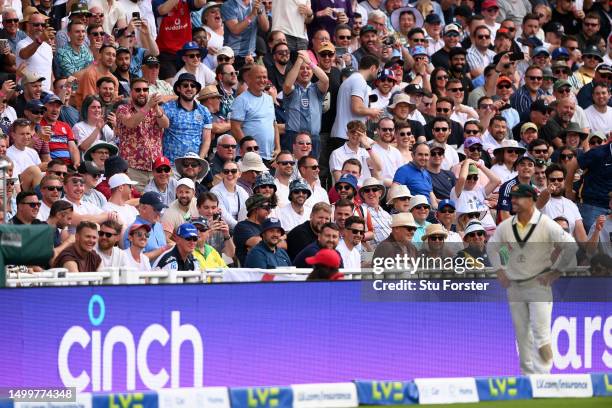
[[185, 132], [597, 182], [257, 116], [243, 44], [262, 257], [242, 232], [156, 240], [418, 181]]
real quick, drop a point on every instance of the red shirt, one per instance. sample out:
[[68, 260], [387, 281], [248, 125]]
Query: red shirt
[[58, 144], [175, 28]]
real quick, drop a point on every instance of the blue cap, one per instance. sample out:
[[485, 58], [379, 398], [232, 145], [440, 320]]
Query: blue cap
[[34, 105], [433, 18], [540, 50], [153, 199], [348, 179], [560, 52], [446, 203], [49, 98], [270, 223], [418, 50], [187, 230], [189, 46], [532, 41]]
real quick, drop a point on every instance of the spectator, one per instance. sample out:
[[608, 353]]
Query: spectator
[[191, 55], [213, 28], [93, 126], [522, 99], [414, 175], [60, 218], [563, 90], [505, 157], [247, 232], [122, 71], [326, 263], [371, 193], [150, 72], [346, 188], [267, 254], [390, 158], [19, 152], [120, 185], [250, 167], [227, 80], [444, 109], [182, 208], [79, 14], [283, 175], [451, 35], [603, 73], [81, 256], [91, 176], [434, 243], [349, 245], [327, 237], [225, 151], [398, 199], [419, 208], [298, 89], [309, 170], [138, 236], [219, 234], [34, 50], [529, 133], [162, 182], [475, 237], [28, 206], [139, 131], [10, 28], [564, 111], [302, 145], [280, 64], [253, 114], [51, 190], [445, 215], [94, 39], [32, 84], [247, 144], [442, 180], [174, 30], [495, 134], [88, 82], [404, 139], [206, 255], [149, 213], [190, 122], [305, 233], [353, 149], [241, 29], [399, 241], [191, 166], [74, 56], [180, 257], [264, 185], [232, 197], [127, 39], [599, 113], [99, 152], [211, 99], [295, 213], [62, 144], [109, 235], [525, 167]]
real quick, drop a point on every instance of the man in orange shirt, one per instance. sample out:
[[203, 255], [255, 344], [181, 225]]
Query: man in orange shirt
[[90, 75]]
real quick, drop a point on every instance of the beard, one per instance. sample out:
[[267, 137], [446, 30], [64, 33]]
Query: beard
[[186, 98]]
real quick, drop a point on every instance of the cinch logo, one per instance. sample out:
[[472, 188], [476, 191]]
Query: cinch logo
[[387, 391], [501, 386], [262, 397], [101, 347]]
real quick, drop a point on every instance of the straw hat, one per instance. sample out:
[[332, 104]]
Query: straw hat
[[434, 229]]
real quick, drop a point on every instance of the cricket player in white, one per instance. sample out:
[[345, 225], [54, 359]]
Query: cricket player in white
[[538, 252]]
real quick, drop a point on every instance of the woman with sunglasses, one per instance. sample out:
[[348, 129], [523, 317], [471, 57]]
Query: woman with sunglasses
[[439, 78], [565, 155], [232, 197]]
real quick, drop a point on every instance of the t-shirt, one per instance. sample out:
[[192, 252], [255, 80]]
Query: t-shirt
[[116, 259], [22, 159], [343, 153], [127, 213], [242, 232], [391, 160], [355, 85], [290, 219], [417, 180], [172, 261], [40, 62], [130, 262], [88, 262], [58, 144], [601, 122], [257, 116], [561, 206], [598, 178], [473, 201], [82, 130], [442, 183]]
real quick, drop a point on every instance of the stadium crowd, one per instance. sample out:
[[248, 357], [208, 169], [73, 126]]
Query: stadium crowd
[[186, 134]]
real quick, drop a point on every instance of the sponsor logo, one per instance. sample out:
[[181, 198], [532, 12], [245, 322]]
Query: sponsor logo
[[324, 395], [561, 385], [499, 387], [569, 335], [263, 397], [101, 347], [387, 391]]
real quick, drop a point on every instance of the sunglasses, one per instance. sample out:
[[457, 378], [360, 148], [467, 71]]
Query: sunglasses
[[473, 177], [282, 52], [77, 181], [442, 110], [419, 40], [447, 211], [106, 234], [345, 37], [561, 72], [97, 33], [54, 188], [228, 146], [141, 234], [475, 234], [11, 20], [404, 134], [540, 151], [595, 141], [58, 173], [387, 129], [326, 54], [37, 112], [440, 238], [141, 89], [286, 163], [163, 169], [191, 239], [471, 131], [193, 165], [189, 85], [304, 143], [196, 55], [252, 149], [411, 229], [313, 167], [38, 24], [566, 156], [556, 179], [223, 58], [455, 89], [421, 207], [344, 187], [535, 78], [368, 190], [512, 151], [492, 10], [473, 215], [474, 149], [504, 86], [357, 231], [565, 90], [440, 129], [32, 205], [442, 78], [228, 171], [437, 153]]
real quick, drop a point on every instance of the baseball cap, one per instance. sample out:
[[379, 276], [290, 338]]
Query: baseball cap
[[270, 223], [201, 221], [384, 74], [31, 77], [153, 199], [433, 18], [35, 105], [560, 52], [540, 106], [150, 60], [367, 29], [471, 141], [450, 28], [523, 158], [524, 190], [326, 257], [528, 125], [120, 179], [446, 203], [326, 46], [89, 167], [532, 41], [187, 230], [554, 27], [437, 145], [503, 79], [135, 227], [503, 32], [540, 50], [560, 83], [161, 161], [51, 98], [488, 4], [414, 89], [227, 51], [186, 182]]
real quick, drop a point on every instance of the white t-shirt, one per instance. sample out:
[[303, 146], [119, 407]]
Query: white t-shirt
[[355, 85], [290, 219], [599, 121], [22, 159], [127, 213], [82, 130], [286, 18], [503, 173], [472, 201], [43, 212], [561, 206], [350, 258], [282, 193], [215, 41], [383, 101], [116, 259], [203, 74], [40, 62], [391, 160], [343, 153], [319, 195], [130, 262]]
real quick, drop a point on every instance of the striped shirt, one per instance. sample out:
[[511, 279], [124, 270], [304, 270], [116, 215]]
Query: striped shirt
[[476, 59], [521, 100], [382, 223]]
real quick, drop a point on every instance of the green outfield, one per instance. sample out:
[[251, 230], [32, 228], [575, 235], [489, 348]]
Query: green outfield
[[537, 403]]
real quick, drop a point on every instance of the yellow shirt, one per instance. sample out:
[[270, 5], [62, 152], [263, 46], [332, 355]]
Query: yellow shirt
[[209, 259]]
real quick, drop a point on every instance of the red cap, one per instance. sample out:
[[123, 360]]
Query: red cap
[[135, 227], [325, 257], [161, 161], [502, 79], [488, 4]]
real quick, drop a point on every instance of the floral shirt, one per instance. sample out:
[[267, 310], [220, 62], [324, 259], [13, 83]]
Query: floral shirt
[[141, 145]]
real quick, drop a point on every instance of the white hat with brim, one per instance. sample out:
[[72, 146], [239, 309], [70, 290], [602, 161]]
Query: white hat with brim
[[180, 164], [251, 161], [473, 226], [418, 200], [434, 229], [403, 220], [395, 17], [513, 144], [372, 182], [397, 191]]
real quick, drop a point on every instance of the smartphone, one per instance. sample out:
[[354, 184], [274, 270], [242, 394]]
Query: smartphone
[[216, 217], [136, 15], [3, 43], [340, 51]]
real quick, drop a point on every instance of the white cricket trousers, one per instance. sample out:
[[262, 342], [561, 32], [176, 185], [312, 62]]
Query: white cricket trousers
[[531, 309]]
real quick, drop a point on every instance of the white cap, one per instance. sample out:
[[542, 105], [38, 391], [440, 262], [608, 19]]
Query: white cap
[[227, 51], [186, 182], [417, 200], [473, 226], [120, 179]]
